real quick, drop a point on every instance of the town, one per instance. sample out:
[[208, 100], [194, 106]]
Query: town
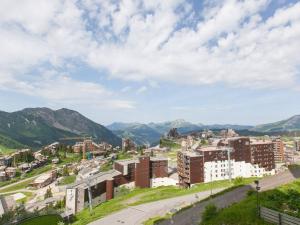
[[72, 178]]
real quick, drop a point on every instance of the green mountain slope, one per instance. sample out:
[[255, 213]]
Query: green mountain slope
[[291, 124], [36, 127]]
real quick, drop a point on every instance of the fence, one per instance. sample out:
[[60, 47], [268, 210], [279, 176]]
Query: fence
[[277, 217]]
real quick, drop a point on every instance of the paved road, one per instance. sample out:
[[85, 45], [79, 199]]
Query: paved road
[[137, 214], [193, 215]]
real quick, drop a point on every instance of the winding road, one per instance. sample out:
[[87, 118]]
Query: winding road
[[136, 215]]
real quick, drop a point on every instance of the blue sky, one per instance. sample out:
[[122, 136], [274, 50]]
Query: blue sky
[[139, 60]]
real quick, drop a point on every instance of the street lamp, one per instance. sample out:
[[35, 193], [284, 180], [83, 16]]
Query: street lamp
[[257, 202]]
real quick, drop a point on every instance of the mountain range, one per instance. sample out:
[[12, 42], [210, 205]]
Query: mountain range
[[35, 127], [151, 132]]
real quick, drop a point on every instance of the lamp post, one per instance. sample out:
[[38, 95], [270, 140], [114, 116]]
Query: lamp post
[[257, 201]]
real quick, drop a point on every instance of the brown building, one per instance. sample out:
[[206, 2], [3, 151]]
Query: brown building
[[101, 187], [93, 190], [190, 168], [141, 170], [240, 146], [262, 154], [278, 149]]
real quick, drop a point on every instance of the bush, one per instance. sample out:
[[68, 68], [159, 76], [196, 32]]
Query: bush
[[238, 181], [209, 212], [250, 192]]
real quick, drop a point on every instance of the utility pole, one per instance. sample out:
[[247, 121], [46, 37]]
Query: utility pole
[[90, 197], [229, 164]]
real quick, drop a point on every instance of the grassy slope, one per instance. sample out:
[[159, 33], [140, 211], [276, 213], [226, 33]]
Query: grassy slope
[[43, 220], [285, 199], [143, 196], [68, 180]]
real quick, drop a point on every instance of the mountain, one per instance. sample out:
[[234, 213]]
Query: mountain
[[227, 126], [36, 127], [181, 125], [122, 126], [290, 124], [141, 134], [150, 133]]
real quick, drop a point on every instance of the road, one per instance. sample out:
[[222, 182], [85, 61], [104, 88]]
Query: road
[[20, 181], [193, 215], [137, 214]]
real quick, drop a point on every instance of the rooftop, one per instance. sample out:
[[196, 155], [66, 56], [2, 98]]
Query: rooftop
[[95, 179]]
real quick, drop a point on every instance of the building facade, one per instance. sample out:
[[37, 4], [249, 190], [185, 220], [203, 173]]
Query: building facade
[[230, 158]]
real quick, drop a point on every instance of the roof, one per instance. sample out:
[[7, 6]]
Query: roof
[[191, 154], [125, 162], [95, 179], [213, 148], [158, 159], [42, 178], [260, 142]]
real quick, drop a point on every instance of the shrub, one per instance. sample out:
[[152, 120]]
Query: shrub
[[238, 180], [209, 212]]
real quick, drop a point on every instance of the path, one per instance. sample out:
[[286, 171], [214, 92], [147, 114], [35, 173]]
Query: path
[[137, 214]]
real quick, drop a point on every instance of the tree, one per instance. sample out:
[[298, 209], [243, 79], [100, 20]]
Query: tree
[[209, 212], [48, 193], [65, 171]]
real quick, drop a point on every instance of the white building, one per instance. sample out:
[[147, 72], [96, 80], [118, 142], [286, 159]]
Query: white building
[[219, 170]]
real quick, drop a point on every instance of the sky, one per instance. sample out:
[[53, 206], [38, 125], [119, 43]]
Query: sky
[[208, 61]]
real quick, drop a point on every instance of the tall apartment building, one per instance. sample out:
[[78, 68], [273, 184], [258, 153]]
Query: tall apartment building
[[190, 168], [297, 145], [231, 158], [262, 154], [278, 149]]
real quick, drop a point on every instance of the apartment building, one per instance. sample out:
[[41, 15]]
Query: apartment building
[[278, 149], [101, 186], [190, 168], [230, 158], [90, 191], [297, 145], [141, 170], [262, 154]]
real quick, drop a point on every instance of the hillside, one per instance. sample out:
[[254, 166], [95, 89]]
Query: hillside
[[290, 124], [36, 127], [141, 134]]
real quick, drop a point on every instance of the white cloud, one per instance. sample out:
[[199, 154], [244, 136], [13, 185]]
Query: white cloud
[[150, 41], [141, 90]]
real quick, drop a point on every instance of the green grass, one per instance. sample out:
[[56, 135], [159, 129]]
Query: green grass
[[38, 171], [123, 155], [156, 219], [43, 220], [173, 191], [285, 199], [140, 196], [18, 186], [169, 143], [4, 150], [68, 180], [242, 213]]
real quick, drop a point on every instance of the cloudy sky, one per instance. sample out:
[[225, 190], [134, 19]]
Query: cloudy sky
[[151, 60]]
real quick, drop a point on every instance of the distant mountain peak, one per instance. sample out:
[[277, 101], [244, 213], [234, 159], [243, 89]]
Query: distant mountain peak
[[44, 125]]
